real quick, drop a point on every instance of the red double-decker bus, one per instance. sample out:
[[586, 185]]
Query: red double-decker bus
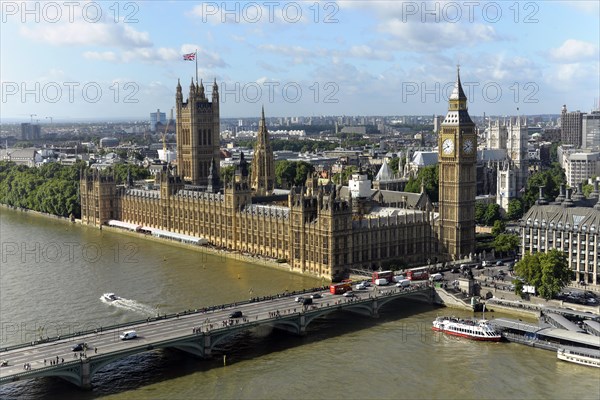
[[418, 274], [389, 275], [340, 288]]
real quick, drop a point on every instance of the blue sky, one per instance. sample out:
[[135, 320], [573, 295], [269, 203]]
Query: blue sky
[[122, 59]]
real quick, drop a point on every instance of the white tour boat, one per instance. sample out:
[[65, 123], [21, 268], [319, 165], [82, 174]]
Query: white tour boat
[[579, 355], [468, 328]]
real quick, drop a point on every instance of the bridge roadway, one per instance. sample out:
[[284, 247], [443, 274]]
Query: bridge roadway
[[197, 332]]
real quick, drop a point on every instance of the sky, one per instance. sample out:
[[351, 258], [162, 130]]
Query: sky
[[111, 60]]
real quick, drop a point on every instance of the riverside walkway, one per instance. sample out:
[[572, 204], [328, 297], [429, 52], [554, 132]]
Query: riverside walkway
[[198, 332]]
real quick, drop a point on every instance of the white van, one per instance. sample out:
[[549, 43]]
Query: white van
[[436, 277], [403, 283], [381, 282], [128, 335]]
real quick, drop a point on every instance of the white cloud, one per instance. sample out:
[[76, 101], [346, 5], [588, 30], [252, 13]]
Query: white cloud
[[364, 51], [100, 55], [567, 76], [81, 33], [573, 50], [587, 6]]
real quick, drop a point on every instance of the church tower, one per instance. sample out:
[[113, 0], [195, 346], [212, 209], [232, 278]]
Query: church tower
[[457, 153], [263, 166], [198, 133]]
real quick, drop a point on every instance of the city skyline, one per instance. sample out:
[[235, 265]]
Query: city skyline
[[94, 60]]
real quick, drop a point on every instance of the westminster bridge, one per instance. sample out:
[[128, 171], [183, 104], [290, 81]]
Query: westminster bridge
[[198, 332]]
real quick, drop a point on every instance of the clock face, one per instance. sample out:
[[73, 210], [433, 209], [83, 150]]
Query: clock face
[[448, 146], [468, 146]]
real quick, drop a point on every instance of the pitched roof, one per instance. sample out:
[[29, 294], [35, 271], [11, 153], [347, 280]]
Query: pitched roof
[[384, 173], [425, 158]]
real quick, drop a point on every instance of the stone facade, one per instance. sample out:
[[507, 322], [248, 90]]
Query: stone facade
[[568, 224]]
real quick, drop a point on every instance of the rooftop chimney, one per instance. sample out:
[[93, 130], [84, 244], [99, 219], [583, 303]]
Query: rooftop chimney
[[568, 202], [561, 195], [596, 192], [541, 201], [578, 195]]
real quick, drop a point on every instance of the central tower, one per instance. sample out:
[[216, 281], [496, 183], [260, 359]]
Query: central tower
[[457, 154], [263, 167], [198, 134]]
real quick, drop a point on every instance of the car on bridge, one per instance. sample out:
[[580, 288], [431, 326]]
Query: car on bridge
[[79, 347], [128, 335], [236, 314], [315, 296], [348, 294]]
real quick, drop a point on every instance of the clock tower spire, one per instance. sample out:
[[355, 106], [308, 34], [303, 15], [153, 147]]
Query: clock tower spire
[[457, 155]]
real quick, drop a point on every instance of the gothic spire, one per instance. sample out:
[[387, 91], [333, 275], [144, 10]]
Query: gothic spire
[[457, 92]]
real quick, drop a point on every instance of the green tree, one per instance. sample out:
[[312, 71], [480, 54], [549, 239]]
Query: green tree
[[499, 227], [588, 189], [393, 164], [121, 171], [303, 169], [515, 209], [505, 243], [528, 268], [226, 173], [430, 177], [555, 273], [285, 171], [550, 180], [293, 172], [480, 208], [492, 214], [548, 272]]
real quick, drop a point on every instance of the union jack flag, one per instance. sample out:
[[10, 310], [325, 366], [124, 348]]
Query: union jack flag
[[189, 57]]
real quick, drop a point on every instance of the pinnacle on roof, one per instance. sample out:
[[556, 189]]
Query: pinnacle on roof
[[457, 92]]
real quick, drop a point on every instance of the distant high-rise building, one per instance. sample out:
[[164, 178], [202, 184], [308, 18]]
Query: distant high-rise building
[[590, 129], [437, 123], [157, 117], [30, 131], [571, 127]]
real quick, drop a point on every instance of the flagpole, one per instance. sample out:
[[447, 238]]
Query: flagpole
[[196, 58]]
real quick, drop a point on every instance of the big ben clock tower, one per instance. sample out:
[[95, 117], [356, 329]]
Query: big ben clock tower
[[457, 154]]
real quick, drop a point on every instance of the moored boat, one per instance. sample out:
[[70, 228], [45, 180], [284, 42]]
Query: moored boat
[[579, 355], [467, 328]]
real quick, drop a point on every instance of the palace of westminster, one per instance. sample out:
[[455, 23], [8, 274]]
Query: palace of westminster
[[321, 230]]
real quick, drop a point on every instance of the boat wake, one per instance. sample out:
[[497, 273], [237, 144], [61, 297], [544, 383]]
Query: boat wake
[[131, 305]]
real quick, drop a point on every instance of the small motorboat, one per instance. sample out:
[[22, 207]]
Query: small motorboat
[[110, 297]]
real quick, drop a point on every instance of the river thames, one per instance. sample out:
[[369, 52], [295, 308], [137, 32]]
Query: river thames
[[53, 274]]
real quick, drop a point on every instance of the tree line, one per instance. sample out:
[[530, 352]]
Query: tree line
[[52, 188]]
